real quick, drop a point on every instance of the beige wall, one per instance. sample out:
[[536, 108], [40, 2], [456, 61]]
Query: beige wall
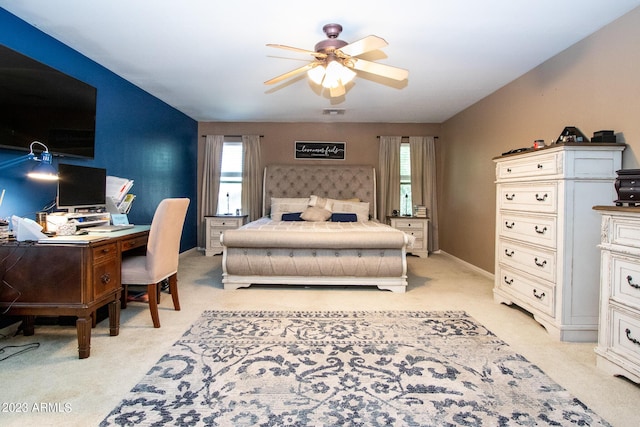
[[594, 85], [278, 142]]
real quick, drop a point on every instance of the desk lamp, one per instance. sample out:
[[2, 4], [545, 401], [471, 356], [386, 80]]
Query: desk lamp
[[44, 170]]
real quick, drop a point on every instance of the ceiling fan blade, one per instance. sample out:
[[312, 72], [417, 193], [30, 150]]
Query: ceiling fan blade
[[337, 90], [318, 55], [388, 71], [292, 73], [364, 45]]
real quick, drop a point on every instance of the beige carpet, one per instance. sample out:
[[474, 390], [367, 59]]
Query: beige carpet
[[57, 389]]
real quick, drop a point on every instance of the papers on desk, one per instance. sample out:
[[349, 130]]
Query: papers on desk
[[82, 239]]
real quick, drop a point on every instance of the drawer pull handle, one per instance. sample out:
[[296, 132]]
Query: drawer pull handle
[[509, 254], [539, 166], [540, 264], [630, 282], [508, 281], [509, 226], [541, 231], [510, 197], [509, 170], [105, 278], [537, 295], [633, 340], [543, 198]]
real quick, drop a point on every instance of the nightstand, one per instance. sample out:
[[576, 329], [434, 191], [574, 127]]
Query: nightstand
[[215, 226], [416, 227]]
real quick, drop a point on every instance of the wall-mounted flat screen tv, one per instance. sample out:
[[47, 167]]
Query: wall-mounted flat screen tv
[[40, 103]]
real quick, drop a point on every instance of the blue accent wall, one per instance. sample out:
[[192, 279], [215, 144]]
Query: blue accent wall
[[138, 136]]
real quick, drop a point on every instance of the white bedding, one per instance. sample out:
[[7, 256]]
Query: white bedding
[[265, 233]]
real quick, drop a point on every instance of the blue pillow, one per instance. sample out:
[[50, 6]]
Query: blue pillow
[[292, 216], [344, 217]]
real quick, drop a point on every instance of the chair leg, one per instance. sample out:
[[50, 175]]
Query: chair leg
[[152, 292], [173, 289]]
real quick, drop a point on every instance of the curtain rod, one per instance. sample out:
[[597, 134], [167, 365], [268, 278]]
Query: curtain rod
[[435, 137], [233, 136]]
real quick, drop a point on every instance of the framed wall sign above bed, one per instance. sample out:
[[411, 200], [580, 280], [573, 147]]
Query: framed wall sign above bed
[[320, 150]]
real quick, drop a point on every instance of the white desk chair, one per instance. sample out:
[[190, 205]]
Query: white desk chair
[[161, 260]]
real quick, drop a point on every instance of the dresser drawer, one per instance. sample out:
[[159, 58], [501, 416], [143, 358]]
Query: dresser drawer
[[535, 294], [532, 166], [539, 262], [535, 197], [624, 231], [625, 287], [626, 334], [536, 229]]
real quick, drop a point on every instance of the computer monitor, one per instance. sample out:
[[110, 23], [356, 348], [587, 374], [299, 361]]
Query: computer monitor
[[81, 188]]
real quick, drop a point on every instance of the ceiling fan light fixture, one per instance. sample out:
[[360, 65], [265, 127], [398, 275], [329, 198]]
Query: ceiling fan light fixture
[[316, 74]]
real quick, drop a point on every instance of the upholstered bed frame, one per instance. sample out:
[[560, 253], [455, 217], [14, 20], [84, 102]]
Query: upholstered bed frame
[[373, 257]]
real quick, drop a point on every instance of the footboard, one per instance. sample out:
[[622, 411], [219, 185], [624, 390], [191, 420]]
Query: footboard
[[384, 268]]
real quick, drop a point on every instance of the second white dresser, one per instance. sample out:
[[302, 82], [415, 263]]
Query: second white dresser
[[547, 259]]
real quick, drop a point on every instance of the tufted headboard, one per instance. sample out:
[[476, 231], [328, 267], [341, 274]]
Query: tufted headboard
[[336, 182]]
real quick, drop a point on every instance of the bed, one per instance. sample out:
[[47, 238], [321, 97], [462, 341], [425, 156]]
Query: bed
[[295, 243]]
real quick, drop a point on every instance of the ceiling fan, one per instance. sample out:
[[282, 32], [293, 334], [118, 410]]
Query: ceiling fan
[[335, 61]]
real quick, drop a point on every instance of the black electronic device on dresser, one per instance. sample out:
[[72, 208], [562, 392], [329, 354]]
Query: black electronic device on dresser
[[627, 187]]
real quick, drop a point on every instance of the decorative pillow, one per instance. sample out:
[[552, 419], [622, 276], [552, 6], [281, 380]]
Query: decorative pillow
[[361, 209], [321, 202], [315, 214], [280, 205], [292, 216], [344, 217]]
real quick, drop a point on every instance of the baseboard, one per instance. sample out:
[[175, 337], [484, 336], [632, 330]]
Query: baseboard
[[475, 268], [189, 251]]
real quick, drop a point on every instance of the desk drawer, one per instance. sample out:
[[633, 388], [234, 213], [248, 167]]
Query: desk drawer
[[106, 277], [103, 253], [135, 242]]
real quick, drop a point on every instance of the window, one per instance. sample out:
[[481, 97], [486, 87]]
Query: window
[[229, 196], [405, 180]]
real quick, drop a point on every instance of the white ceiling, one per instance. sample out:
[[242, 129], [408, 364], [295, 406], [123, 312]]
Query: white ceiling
[[208, 58]]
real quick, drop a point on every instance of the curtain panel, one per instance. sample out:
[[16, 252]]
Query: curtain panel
[[251, 177], [210, 180], [423, 182], [388, 176]]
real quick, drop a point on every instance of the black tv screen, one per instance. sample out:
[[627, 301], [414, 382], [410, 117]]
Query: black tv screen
[[40, 103], [81, 187]]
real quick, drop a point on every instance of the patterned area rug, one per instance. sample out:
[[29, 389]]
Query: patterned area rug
[[395, 368]]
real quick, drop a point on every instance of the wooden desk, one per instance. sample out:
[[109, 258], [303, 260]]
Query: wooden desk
[[58, 279]]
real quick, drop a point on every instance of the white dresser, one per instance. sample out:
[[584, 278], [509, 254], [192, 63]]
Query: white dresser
[[215, 226], [547, 260], [417, 227], [618, 350]]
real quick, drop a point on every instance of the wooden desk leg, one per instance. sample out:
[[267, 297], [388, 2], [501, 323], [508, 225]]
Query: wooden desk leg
[[28, 324], [114, 317], [83, 326]]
